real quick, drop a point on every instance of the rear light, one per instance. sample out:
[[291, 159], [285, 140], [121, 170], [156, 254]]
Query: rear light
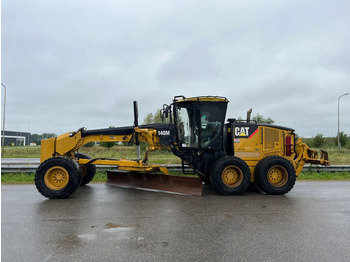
[[288, 146]]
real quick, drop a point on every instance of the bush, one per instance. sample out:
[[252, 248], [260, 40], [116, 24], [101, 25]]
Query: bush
[[343, 138], [91, 144], [318, 141], [107, 144]]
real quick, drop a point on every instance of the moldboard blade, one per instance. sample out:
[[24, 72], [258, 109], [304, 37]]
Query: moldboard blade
[[166, 183]]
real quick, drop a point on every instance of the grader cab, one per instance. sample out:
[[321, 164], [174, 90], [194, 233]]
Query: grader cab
[[228, 155]]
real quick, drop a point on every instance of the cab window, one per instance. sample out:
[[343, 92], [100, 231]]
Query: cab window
[[186, 126]]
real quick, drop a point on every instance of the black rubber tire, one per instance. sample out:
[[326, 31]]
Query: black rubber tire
[[230, 176], [87, 171], [54, 171], [275, 175], [253, 187]]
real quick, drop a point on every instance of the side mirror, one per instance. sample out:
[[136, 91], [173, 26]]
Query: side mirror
[[164, 113]]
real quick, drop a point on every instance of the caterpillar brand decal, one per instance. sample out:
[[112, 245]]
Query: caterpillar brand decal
[[163, 132], [245, 131]]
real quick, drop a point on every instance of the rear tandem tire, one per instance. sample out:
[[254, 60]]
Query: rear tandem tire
[[88, 171], [230, 176], [275, 175], [58, 177]]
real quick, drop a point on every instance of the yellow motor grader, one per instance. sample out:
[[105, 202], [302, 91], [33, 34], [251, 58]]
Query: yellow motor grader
[[228, 155]]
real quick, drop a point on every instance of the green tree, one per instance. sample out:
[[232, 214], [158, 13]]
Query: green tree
[[343, 139], [155, 118], [48, 135], [35, 138], [262, 120], [318, 141], [148, 119]]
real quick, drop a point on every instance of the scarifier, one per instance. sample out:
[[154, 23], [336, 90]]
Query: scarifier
[[229, 156]]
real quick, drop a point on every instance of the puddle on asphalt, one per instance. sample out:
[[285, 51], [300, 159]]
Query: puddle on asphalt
[[70, 243], [121, 229], [87, 237], [111, 225], [118, 229], [122, 232]]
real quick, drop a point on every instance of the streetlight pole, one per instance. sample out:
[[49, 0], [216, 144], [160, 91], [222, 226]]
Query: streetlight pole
[[339, 145], [3, 123]]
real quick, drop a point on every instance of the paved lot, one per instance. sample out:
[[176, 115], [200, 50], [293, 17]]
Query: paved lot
[[101, 223]]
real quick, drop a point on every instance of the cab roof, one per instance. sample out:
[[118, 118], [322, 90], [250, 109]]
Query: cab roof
[[179, 99]]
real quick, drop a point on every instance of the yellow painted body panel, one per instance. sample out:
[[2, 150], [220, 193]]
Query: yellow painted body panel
[[68, 142], [268, 141], [47, 149]]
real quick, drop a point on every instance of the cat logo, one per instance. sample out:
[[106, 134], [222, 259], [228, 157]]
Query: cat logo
[[242, 131], [245, 131]]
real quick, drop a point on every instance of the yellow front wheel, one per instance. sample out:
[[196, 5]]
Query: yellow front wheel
[[58, 177]]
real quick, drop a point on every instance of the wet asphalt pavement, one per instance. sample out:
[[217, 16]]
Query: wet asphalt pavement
[[102, 223]]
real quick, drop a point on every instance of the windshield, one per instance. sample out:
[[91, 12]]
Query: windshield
[[211, 122]]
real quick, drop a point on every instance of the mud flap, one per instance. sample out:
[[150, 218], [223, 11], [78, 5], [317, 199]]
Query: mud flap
[[155, 181]]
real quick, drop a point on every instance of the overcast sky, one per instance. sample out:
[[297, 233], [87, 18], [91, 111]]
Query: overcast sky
[[69, 64]]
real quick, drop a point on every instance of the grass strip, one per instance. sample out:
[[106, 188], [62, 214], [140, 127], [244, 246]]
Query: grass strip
[[17, 178], [101, 177], [324, 176]]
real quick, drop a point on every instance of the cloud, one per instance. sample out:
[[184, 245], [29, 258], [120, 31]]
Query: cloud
[[68, 64], [193, 63]]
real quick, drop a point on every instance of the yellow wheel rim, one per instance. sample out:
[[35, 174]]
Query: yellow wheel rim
[[232, 176], [277, 176], [56, 178]]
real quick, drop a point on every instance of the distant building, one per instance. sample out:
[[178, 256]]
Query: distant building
[[16, 138]]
